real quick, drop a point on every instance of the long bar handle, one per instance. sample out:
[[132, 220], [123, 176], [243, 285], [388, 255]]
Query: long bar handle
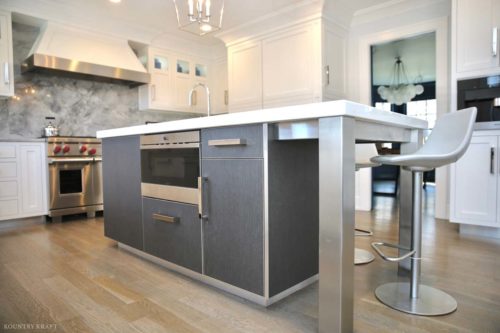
[[376, 246], [227, 142], [165, 218], [6, 73], [327, 72], [492, 160], [494, 42], [226, 97], [202, 203], [153, 92]]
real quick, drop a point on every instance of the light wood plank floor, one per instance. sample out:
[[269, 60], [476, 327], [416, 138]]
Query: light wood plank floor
[[71, 277]]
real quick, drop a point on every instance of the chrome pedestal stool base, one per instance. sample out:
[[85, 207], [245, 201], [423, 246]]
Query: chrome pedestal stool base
[[362, 257], [431, 301]]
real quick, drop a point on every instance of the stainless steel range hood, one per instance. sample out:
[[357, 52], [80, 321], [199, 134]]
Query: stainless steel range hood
[[82, 54]]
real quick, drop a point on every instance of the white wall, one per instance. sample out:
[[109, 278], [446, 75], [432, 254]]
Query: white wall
[[395, 21]]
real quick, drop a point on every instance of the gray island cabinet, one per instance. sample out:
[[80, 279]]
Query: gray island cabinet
[[277, 200], [122, 190], [247, 239]]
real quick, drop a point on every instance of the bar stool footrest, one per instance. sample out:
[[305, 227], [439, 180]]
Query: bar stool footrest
[[378, 245], [362, 232]]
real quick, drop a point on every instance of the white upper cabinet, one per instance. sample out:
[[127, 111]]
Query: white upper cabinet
[[172, 77], [476, 25], [287, 67], [6, 62], [291, 64], [245, 76], [218, 86], [334, 62]]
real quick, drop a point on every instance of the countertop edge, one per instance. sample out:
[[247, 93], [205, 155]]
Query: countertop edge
[[274, 115]]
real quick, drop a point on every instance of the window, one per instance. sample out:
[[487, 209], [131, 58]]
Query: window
[[383, 106], [425, 110]]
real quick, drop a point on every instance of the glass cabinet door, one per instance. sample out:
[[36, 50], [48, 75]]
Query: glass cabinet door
[[160, 63]]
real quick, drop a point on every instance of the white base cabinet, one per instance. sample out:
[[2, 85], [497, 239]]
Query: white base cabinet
[[23, 180], [475, 182]]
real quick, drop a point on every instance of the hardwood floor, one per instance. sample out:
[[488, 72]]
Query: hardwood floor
[[70, 278]]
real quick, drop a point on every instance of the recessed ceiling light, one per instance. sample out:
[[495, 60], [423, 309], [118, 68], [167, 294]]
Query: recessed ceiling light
[[115, 1]]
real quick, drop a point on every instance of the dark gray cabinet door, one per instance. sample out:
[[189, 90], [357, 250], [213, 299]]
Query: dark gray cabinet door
[[122, 190], [233, 234], [172, 231]]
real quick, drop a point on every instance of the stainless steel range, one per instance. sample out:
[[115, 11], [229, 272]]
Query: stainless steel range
[[75, 176]]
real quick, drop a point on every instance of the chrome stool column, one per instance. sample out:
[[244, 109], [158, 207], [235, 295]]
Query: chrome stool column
[[446, 144]]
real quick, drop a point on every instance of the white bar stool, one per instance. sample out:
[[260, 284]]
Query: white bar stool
[[364, 152], [448, 141]]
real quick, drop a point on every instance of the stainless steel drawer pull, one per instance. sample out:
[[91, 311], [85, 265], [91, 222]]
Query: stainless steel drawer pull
[[166, 218], [227, 142]]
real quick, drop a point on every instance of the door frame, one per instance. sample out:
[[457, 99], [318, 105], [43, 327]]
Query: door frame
[[440, 27]]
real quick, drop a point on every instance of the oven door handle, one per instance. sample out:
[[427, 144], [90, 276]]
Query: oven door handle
[[73, 160]]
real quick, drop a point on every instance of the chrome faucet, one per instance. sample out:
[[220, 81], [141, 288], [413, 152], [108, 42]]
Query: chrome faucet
[[208, 95]]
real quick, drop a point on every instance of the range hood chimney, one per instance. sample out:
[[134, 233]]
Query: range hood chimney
[[83, 54]]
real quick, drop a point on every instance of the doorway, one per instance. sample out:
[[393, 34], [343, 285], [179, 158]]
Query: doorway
[[364, 87], [396, 67]]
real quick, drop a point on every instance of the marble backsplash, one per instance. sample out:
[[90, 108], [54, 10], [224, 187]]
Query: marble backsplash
[[81, 107]]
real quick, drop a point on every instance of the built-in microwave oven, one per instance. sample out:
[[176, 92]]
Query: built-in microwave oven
[[484, 94], [170, 166]]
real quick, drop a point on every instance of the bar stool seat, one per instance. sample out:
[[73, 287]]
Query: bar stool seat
[[364, 153], [446, 144]]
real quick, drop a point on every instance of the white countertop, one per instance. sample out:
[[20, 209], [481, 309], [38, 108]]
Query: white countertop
[[275, 115], [23, 140]]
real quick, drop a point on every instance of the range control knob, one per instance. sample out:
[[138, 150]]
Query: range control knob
[[83, 149], [92, 151], [57, 149], [66, 149]]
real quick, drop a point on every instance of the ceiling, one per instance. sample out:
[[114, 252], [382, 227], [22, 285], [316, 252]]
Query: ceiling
[[143, 20]]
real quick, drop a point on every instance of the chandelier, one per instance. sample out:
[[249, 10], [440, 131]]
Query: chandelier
[[400, 91], [199, 17]]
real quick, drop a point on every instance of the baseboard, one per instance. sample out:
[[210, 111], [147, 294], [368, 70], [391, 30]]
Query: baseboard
[[21, 223], [479, 231], [258, 299]]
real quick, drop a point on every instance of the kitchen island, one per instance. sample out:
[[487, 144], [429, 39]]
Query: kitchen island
[[266, 174]]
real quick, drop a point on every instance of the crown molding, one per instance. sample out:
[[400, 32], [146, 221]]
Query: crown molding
[[290, 15], [390, 9]]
